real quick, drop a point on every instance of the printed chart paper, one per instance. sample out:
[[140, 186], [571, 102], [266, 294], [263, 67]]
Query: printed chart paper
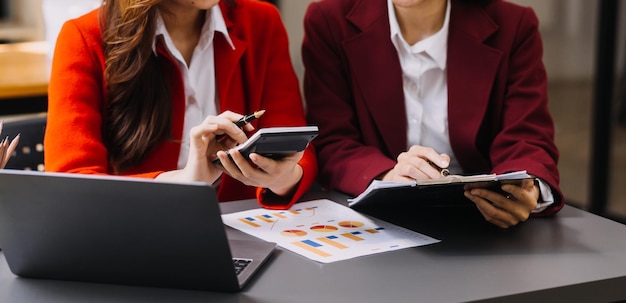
[[325, 231]]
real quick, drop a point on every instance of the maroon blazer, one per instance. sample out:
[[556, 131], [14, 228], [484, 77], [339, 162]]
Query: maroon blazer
[[498, 114]]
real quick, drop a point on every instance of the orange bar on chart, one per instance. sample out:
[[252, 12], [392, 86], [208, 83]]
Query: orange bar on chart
[[263, 218], [353, 237], [249, 222], [280, 215], [333, 243], [311, 249]]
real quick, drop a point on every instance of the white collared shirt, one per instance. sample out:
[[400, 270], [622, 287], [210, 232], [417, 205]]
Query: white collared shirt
[[199, 77], [426, 93], [425, 87]]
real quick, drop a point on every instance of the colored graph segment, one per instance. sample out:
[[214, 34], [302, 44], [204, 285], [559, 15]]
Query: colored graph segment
[[249, 221], [311, 247], [351, 224], [280, 215], [328, 241], [265, 219], [293, 233], [353, 236], [323, 228]]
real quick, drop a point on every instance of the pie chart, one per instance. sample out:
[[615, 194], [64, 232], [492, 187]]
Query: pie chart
[[293, 233], [351, 224], [323, 228]]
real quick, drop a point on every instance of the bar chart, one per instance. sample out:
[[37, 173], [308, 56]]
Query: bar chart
[[325, 231]]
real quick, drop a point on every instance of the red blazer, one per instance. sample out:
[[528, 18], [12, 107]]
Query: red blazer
[[256, 75], [498, 114]]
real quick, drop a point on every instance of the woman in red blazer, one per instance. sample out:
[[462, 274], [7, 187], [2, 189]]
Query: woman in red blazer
[[136, 88], [394, 85]]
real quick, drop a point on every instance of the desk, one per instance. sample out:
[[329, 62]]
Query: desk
[[573, 257], [24, 77], [24, 70]]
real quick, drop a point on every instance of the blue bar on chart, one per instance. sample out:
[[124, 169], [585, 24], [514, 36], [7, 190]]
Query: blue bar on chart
[[311, 246]]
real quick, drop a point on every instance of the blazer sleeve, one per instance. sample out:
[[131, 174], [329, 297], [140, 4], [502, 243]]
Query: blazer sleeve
[[282, 99], [73, 140], [526, 140], [346, 162], [76, 95]]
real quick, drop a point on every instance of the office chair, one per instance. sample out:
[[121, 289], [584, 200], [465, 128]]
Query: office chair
[[29, 152]]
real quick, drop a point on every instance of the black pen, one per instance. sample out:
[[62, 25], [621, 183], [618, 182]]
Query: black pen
[[443, 171], [243, 121], [249, 118]]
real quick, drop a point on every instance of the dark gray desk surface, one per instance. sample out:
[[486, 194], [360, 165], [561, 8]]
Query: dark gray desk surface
[[573, 257]]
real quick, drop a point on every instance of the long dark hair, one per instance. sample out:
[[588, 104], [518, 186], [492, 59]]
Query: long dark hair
[[138, 114]]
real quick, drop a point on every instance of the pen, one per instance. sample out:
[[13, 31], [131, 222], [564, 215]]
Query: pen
[[243, 121], [248, 118], [444, 171]]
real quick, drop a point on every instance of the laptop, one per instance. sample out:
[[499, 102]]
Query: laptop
[[121, 230]]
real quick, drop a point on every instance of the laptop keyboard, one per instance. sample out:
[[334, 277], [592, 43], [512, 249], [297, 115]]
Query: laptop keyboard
[[240, 264]]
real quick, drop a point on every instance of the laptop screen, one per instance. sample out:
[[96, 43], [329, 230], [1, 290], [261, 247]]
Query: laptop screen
[[114, 230]]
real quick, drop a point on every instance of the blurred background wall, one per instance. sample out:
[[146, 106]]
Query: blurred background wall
[[567, 26]]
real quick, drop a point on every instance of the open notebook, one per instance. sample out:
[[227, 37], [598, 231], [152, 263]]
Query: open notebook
[[120, 230]]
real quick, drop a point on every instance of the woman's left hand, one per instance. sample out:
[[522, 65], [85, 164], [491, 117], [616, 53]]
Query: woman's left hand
[[279, 176], [506, 210]]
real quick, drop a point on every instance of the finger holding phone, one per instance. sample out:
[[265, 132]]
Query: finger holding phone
[[278, 175]]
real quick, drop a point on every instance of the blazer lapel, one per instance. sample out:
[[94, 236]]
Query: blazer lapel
[[472, 67], [226, 62], [376, 70]]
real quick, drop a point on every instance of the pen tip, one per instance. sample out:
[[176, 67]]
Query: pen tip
[[259, 113]]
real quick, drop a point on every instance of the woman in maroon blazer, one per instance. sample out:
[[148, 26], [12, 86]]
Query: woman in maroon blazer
[[396, 84], [142, 88]]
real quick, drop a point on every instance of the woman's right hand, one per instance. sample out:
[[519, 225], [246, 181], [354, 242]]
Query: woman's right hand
[[416, 163], [204, 146]]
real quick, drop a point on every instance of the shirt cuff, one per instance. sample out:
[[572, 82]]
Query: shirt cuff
[[547, 198]]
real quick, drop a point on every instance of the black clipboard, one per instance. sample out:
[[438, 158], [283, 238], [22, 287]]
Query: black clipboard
[[438, 193]]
